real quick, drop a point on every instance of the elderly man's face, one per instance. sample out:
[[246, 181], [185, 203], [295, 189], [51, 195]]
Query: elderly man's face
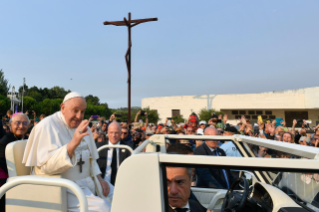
[[73, 111], [19, 125], [114, 132], [211, 131], [178, 186]]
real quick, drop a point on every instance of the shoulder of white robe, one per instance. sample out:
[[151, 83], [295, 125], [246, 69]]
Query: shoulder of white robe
[[38, 142]]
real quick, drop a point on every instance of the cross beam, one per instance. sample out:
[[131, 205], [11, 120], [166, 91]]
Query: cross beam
[[129, 24]]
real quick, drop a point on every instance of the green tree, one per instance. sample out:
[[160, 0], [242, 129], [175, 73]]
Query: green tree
[[178, 119], [60, 92], [4, 104], [29, 103], [35, 95], [205, 114], [97, 110], [4, 87], [25, 90], [153, 116], [50, 106], [94, 100]]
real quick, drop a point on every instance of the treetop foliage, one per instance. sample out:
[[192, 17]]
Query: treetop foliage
[[47, 101], [4, 84]]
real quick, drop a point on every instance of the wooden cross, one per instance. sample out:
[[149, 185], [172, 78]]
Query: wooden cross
[[80, 163], [129, 23]]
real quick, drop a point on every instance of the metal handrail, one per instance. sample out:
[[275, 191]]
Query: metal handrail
[[141, 147], [116, 147], [303, 151], [49, 182], [199, 137]]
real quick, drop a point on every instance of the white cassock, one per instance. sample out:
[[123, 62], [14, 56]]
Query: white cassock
[[46, 150]]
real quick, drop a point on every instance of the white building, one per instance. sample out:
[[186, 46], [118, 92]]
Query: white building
[[289, 104]]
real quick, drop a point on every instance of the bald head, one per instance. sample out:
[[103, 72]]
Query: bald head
[[73, 111], [114, 132], [211, 131]]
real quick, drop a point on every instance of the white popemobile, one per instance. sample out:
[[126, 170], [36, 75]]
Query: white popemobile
[[286, 180]]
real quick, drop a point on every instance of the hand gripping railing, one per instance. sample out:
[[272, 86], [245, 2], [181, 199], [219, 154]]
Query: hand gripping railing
[[117, 146], [48, 181]]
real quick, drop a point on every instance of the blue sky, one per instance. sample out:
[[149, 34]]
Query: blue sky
[[196, 47]]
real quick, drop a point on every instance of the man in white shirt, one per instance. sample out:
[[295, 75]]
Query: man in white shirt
[[110, 159]]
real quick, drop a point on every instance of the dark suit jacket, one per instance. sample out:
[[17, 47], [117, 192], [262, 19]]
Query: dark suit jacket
[[2, 131], [4, 141], [102, 161], [193, 206], [196, 206], [212, 177]]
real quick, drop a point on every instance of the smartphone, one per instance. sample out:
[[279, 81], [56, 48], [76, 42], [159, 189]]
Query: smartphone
[[310, 131], [169, 118], [260, 119], [256, 131], [95, 117], [142, 113], [117, 115]]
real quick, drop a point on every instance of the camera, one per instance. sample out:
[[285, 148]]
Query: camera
[[299, 121]]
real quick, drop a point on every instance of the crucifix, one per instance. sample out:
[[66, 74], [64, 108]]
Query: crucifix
[[129, 23], [80, 163]]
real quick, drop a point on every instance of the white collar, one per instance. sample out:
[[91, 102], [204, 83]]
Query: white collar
[[186, 206], [63, 119], [111, 144]]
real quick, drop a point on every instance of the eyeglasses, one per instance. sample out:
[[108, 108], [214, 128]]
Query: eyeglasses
[[18, 123], [124, 133]]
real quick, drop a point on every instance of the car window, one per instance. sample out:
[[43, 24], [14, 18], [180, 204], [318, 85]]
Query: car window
[[299, 186]]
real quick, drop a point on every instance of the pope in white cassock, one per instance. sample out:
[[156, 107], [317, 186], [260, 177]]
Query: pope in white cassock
[[63, 144]]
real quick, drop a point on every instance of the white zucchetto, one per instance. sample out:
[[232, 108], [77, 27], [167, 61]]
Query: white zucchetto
[[71, 96]]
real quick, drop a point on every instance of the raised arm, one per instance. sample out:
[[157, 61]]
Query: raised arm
[[146, 119], [136, 116]]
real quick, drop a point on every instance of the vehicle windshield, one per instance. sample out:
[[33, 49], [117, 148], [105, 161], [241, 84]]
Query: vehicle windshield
[[302, 187]]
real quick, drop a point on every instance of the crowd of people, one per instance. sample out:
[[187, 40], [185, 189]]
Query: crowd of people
[[138, 131], [107, 131]]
